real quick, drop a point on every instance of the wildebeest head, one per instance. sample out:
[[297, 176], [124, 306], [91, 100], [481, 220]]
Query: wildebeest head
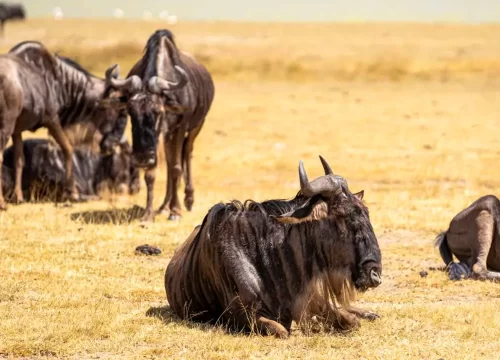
[[112, 108], [329, 196], [147, 109]]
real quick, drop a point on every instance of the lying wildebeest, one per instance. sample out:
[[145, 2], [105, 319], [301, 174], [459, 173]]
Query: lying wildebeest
[[474, 238], [177, 97], [40, 89], [10, 12], [44, 172], [258, 266]]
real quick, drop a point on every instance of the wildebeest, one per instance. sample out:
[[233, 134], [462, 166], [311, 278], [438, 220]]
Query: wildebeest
[[10, 12], [44, 172], [40, 89], [473, 236], [258, 266], [177, 95]]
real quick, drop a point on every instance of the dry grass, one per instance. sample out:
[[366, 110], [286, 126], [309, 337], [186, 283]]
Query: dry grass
[[422, 148]]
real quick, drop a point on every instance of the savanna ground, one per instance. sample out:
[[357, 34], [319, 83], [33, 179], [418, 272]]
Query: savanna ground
[[407, 112]]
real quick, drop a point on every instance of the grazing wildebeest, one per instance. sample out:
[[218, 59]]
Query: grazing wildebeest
[[474, 238], [178, 93], [40, 89], [44, 172], [10, 12], [258, 266]]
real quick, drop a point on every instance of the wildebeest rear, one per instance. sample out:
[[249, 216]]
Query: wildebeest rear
[[258, 266]]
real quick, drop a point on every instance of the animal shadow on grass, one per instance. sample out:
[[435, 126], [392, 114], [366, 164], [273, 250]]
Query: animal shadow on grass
[[167, 316], [112, 216]]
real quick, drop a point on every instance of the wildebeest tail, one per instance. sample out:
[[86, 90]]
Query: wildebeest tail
[[444, 249]]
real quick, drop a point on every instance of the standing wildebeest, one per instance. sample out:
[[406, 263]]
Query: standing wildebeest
[[474, 238], [261, 265], [39, 89], [177, 97], [44, 173], [10, 12]]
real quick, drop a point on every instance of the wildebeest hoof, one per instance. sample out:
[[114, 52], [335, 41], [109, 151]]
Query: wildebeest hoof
[[147, 250], [479, 269], [18, 200], [3, 207], [148, 217], [188, 203], [174, 217], [369, 315]]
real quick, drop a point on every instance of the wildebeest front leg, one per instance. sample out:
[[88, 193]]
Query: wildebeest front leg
[[17, 142], [187, 157], [149, 178], [56, 131], [271, 327], [3, 142], [361, 313], [173, 152], [485, 223]]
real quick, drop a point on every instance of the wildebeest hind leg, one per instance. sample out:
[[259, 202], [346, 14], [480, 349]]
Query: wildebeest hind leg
[[3, 141], [56, 131], [271, 327], [485, 224], [188, 172], [17, 142]]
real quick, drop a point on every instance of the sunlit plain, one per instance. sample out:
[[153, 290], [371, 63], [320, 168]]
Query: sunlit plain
[[407, 112]]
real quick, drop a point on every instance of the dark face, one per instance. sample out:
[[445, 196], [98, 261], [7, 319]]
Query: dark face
[[111, 119], [329, 197], [368, 270], [147, 112]]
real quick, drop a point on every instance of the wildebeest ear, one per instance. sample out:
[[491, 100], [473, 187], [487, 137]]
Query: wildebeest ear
[[360, 194], [314, 209]]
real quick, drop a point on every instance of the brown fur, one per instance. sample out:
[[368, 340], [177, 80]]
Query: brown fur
[[247, 269], [473, 236], [39, 89]]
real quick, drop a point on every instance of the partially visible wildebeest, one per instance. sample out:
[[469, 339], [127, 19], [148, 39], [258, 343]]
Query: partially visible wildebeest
[[258, 266], [10, 12], [40, 89], [44, 172], [177, 95], [474, 238]]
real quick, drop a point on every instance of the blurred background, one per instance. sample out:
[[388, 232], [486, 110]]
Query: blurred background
[[277, 10]]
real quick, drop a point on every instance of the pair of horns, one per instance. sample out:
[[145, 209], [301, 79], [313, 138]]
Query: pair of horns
[[157, 85], [327, 185], [132, 84]]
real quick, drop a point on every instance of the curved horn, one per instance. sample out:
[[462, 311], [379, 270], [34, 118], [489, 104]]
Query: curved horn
[[325, 185], [112, 72], [132, 84], [305, 186], [326, 167], [158, 85]]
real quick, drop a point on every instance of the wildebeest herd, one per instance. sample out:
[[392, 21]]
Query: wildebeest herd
[[250, 266]]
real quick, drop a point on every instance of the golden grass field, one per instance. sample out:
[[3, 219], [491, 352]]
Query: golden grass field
[[407, 112]]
